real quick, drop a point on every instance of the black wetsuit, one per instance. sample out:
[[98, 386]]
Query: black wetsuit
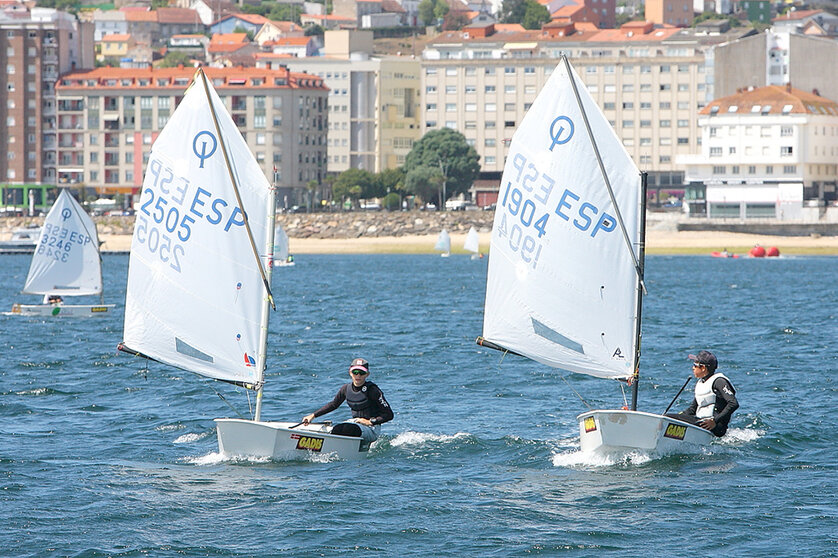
[[366, 402], [725, 404]]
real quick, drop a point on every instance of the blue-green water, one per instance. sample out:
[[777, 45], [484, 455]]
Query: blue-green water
[[101, 457]]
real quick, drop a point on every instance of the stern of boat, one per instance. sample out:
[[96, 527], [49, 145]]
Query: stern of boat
[[277, 440], [622, 430]]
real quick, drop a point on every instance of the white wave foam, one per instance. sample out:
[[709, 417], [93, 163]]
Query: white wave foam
[[36, 391], [418, 438], [170, 428], [192, 437], [215, 458], [596, 459], [736, 436]]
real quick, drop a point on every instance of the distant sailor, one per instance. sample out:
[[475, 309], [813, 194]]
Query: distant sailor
[[715, 399], [53, 299], [369, 407]]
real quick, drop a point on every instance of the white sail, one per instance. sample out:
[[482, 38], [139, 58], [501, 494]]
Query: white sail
[[280, 243], [443, 242], [472, 243], [562, 285], [66, 260], [195, 292]]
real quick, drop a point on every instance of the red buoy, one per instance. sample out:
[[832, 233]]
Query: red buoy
[[772, 252], [757, 252]]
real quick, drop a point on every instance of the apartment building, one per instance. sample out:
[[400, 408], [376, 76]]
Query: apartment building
[[108, 119], [765, 152], [35, 48], [650, 82], [777, 57], [374, 102]]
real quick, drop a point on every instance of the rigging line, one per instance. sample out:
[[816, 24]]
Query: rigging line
[[265, 281], [224, 399], [582, 399], [602, 170]]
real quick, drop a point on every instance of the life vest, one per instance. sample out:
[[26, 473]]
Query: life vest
[[705, 397], [358, 401]]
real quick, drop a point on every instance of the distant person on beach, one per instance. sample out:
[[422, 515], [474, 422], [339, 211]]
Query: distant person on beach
[[715, 399], [366, 400]]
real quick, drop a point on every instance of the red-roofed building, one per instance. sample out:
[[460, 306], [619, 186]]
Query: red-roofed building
[[250, 23], [227, 43], [765, 152], [273, 30], [177, 21], [327, 22], [141, 23], [670, 12], [122, 111], [299, 47]]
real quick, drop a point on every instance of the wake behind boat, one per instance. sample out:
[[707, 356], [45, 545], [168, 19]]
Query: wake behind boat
[[565, 278], [66, 262], [198, 298]]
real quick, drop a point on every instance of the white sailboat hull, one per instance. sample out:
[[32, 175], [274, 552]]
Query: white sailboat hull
[[284, 263], [277, 440], [620, 430], [63, 310]]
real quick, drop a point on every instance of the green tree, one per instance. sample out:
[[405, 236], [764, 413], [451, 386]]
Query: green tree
[[391, 180], [455, 21], [426, 12], [174, 59], [353, 184], [446, 153], [425, 182], [535, 15], [441, 9], [513, 11], [313, 30]]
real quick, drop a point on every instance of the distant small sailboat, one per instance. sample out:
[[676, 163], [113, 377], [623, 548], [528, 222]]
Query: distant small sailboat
[[472, 244], [565, 280], [443, 243], [198, 298], [66, 262], [281, 256]]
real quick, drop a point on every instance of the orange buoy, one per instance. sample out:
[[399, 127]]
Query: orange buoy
[[757, 252], [772, 252]]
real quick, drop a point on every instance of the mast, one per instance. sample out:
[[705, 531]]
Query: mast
[[641, 250], [262, 360]]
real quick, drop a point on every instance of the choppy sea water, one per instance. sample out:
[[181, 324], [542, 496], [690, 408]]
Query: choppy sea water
[[103, 456]]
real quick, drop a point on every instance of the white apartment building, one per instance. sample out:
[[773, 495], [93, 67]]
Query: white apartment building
[[374, 102], [765, 152], [108, 119], [650, 82]]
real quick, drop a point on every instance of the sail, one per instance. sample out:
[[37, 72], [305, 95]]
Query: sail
[[280, 243], [195, 292], [66, 260], [562, 284], [443, 241], [472, 243]]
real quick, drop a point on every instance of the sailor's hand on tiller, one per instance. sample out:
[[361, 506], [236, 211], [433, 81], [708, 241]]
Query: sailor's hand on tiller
[[707, 424], [308, 418]]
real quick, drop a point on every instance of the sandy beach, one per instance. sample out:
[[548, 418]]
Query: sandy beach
[[657, 242]]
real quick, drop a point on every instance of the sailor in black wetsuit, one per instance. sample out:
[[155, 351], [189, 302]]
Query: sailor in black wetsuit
[[715, 398], [365, 399]]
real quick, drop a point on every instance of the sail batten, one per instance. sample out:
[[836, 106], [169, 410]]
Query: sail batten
[[66, 261], [562, 282], [195, 289]]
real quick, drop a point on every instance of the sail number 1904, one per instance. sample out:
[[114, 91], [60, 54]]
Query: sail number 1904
[[526, 203]]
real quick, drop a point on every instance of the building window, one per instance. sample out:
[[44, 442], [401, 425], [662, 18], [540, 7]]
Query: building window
[[786, 151], [715, 151], [731, 150], [769, 169], [786, 131], [734, 169], [789, 169], [719, 169], [752, 169]]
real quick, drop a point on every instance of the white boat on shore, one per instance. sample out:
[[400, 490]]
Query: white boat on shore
[[23, 240]]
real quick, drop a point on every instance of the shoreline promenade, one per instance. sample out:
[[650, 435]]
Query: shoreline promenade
[[415, 232]]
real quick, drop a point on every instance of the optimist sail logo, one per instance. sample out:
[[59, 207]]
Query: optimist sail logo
[[561, 130], [200, 144]]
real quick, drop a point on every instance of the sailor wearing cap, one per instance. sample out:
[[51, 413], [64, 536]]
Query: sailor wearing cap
[[366, 401], [715, 399]]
